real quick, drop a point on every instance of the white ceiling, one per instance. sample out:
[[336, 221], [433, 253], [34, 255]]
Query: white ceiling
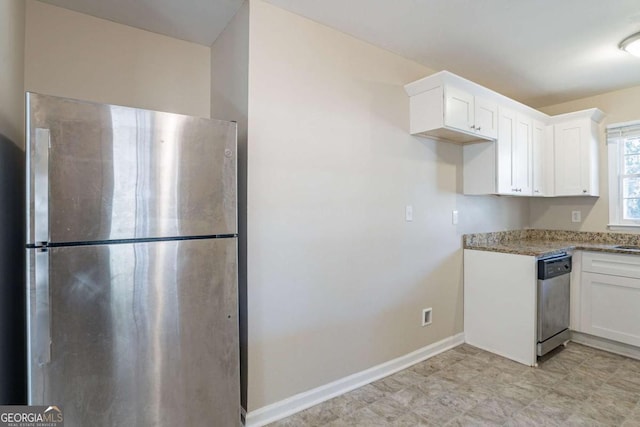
[[540, 52]]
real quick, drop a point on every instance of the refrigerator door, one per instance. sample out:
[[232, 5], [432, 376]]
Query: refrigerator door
[[136, 334], [123, 173]]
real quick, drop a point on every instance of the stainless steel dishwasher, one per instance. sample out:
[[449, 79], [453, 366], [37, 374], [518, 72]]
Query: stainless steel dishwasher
[[553, 302]]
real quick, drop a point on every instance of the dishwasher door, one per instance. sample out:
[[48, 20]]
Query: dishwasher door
[[553, 306]]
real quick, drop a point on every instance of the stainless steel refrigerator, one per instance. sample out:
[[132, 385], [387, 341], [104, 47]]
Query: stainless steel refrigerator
[[131, 265]]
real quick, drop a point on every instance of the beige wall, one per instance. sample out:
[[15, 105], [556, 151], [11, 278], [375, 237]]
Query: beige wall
[[12, 289], [619, 106], [336, 278], [229, 101], [78, 56], [12, 24]]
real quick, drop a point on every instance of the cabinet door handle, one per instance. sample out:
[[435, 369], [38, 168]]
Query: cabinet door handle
[[536, 191], [473, 126], [584, 191], [478, 128]]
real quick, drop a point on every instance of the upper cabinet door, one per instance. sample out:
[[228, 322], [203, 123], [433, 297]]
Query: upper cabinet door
[[514, 153], [542, 160], [573, 158], [459, 109], [522, 155], [470, 113], [506, 151], [486, 117]]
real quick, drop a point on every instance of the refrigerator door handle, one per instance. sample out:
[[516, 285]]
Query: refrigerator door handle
[[43, 312], [41, 186]]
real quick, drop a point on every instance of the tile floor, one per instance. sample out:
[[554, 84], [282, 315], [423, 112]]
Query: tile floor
[[465, 386]]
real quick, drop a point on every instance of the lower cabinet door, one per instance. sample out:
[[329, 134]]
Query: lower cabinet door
[[609, 307]]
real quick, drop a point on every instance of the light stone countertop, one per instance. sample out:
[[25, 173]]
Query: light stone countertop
[[542, 243]]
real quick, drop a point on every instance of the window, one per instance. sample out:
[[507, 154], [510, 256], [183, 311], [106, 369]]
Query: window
[[623, 140]]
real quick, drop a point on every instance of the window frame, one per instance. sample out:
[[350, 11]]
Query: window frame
[[617, 134]]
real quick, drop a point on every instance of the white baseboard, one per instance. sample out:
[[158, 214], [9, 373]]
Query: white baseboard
[[607, 345], [307, 399]]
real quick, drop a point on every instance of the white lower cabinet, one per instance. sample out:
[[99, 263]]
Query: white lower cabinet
[[610, 296], [500, 304], [500, 300]]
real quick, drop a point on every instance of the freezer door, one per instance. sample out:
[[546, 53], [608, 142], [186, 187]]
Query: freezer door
[[142, 334], [102, 172]]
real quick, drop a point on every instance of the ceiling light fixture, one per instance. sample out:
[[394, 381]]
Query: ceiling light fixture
[[631, 44]]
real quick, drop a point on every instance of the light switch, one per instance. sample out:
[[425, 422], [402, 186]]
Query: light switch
[[454, 217], [408, 213]]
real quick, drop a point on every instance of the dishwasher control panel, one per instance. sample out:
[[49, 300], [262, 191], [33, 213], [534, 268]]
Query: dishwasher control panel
[[554, 266]]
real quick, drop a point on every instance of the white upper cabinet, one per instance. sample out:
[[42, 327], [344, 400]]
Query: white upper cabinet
[[486, 117], [480, 168], [506, 152], [504, 166], [523, 155], [469, 113], [542, 159], [514, 153], [458, 111], [575, 151], [509, 148], [447, 107]]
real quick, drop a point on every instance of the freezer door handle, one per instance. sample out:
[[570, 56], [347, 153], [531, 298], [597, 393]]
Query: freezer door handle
[[41, 186], [43, 312]]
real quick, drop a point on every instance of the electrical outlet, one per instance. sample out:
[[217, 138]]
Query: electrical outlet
[[426, 316], [576, 216]]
